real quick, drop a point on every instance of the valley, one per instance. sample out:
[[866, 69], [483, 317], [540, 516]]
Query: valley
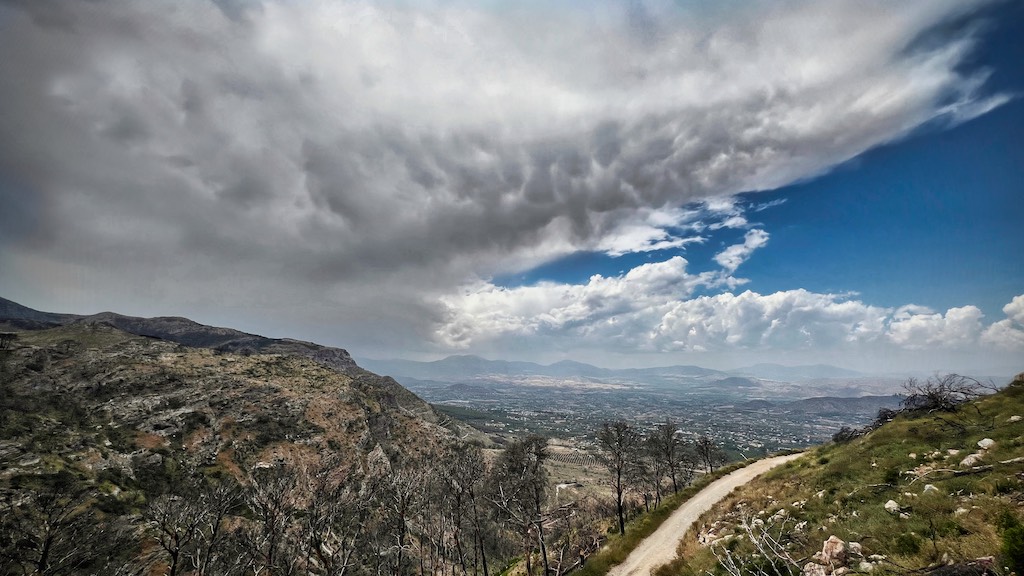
[[749, 416]]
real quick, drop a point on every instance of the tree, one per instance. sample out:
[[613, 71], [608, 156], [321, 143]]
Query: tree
[[619, 443], [519, 491], [273, 499], [941, 393], [338, 504], [42, 529], [708, 453], [670, 449]]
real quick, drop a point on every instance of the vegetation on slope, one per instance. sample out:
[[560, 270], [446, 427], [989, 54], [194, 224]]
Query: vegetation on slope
[[937, 489]]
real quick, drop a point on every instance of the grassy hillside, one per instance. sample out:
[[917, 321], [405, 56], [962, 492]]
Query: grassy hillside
[[931, 490]]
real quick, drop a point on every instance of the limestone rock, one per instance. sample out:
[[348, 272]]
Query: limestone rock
[[986, 443], [812, 569], [892, 507], [1014, 418], [833, 551], [971, 460]]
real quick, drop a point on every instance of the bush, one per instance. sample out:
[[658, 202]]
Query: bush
[[907, 545], [1013, 549]]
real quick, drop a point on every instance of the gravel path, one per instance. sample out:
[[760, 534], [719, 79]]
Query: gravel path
[[660, 548]]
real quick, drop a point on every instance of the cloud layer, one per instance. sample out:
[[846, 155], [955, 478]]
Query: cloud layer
[[349, 169]]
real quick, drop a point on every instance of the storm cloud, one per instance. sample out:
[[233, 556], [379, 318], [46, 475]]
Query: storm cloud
[[350, 169]]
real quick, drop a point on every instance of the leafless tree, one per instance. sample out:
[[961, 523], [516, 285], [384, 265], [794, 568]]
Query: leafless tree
[[42, 530], [619, 443], [708, 453], [518, 492], [942, 393], [269, 541]]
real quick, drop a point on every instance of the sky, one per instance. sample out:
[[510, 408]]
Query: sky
[[626, 183]]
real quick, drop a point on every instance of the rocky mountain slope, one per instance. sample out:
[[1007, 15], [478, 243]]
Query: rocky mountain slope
[[136, 435], [90, 396]]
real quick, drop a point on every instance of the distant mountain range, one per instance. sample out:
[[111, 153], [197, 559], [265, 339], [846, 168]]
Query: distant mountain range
[[468, 368]]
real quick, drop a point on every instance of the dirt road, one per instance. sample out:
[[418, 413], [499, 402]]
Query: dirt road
[[660, 548]]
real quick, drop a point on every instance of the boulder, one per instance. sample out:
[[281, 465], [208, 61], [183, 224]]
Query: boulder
[[971, 460], [892, 507], [1014, 418], [856, 548], [929, 488], [833, 551], [986, 443]]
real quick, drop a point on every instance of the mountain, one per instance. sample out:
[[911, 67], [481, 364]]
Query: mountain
[[134, 445], [182, 331], [795, 373], [467, 368], [15, 315]]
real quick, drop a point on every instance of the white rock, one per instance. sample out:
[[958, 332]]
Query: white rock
[[929, 488], [960, 511], [986, 443], [841, 571], [892, 507], [904, 516], [952, 451], [865, 566], [912, 455], [812, 569], [1014, 418], [833, 551], [856, 548], [971, 460]]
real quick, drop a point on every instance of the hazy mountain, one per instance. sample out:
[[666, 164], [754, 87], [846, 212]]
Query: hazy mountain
[[465, 368], [795, 373]]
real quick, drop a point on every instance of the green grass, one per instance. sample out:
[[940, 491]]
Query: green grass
[[618, 547], [842, 490]]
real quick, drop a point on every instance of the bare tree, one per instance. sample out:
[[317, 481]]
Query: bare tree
[[708, 453], [174, 521], [273, 500], [519, 490], [41, 530], [942, 393], [339, 503], [619, 443]]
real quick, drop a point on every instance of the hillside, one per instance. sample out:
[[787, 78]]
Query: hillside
[[133, 443], [933, 490]]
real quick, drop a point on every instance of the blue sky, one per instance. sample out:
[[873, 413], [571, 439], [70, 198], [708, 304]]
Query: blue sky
[[623, 183]]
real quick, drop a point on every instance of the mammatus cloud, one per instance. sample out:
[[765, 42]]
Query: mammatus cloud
[[349, 166]]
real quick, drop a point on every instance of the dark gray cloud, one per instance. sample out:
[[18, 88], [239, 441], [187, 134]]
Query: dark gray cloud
[[178, 156]]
